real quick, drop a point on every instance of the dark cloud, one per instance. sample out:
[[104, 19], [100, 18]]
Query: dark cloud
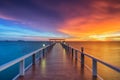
[[30, 14], [42, 14], [106, 6], [27, 8]]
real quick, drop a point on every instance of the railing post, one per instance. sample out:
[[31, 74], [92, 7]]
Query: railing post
[[46, 49], [82, 55], [72, 52], [39, 55], [94, 67], [43, 52], [68, 47], [33, 58], [76, 54], [22, 68]]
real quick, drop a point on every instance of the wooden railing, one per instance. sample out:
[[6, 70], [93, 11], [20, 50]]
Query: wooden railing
[[21, 60], [94, 60]]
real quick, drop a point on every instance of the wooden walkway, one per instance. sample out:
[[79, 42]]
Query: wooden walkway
[[57, 65]]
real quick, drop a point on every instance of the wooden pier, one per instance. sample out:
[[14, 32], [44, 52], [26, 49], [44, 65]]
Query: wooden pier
[[57, 65]]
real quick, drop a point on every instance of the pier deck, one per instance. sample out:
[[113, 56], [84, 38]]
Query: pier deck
[[57, 65]]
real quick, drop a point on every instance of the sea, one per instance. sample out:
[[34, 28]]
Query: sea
[[11, 50], [108, 51]]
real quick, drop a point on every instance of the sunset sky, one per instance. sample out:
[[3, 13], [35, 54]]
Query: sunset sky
[[79, 20]]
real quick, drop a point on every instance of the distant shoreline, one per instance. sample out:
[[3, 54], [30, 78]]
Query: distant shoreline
[[48, 41]]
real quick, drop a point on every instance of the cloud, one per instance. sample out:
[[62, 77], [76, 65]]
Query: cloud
[[100, 16], [8, 32], [2, 16], [29, 14], [69, 18], [113, 36]]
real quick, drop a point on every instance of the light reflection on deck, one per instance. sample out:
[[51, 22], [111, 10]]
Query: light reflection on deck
[[58, 65]]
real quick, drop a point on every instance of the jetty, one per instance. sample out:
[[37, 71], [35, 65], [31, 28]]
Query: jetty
[[58, 61]]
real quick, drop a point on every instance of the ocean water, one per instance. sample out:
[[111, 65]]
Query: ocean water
[[105, 51], [10, 50]]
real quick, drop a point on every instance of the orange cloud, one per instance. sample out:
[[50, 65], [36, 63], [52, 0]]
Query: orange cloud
[[93, 22], [82, 28]]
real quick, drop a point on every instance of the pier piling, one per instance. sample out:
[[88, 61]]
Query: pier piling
[[82, 55]]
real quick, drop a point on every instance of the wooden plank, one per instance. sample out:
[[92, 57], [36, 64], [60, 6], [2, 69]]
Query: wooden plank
[[57, 66]]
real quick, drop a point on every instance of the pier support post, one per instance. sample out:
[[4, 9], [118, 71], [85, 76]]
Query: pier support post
[[39, 55], [68, 47], [82, 55], [43, 52], [94, 67], [76, 54], [22, 68], [72, 52], [33, 58]]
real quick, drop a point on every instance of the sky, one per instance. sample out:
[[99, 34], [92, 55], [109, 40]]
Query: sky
[[74, 20]]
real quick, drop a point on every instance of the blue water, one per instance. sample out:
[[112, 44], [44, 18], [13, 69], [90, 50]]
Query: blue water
[[10, 50]]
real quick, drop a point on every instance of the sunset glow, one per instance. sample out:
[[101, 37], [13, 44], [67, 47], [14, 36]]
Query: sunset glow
[[95, 30], [79, 20]]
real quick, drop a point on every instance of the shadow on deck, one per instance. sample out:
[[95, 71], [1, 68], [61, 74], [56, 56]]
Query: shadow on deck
[[58, 65]]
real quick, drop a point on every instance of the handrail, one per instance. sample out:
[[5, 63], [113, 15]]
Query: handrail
[[95, 60], [4, 66], [13, 62], [103, 62]]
